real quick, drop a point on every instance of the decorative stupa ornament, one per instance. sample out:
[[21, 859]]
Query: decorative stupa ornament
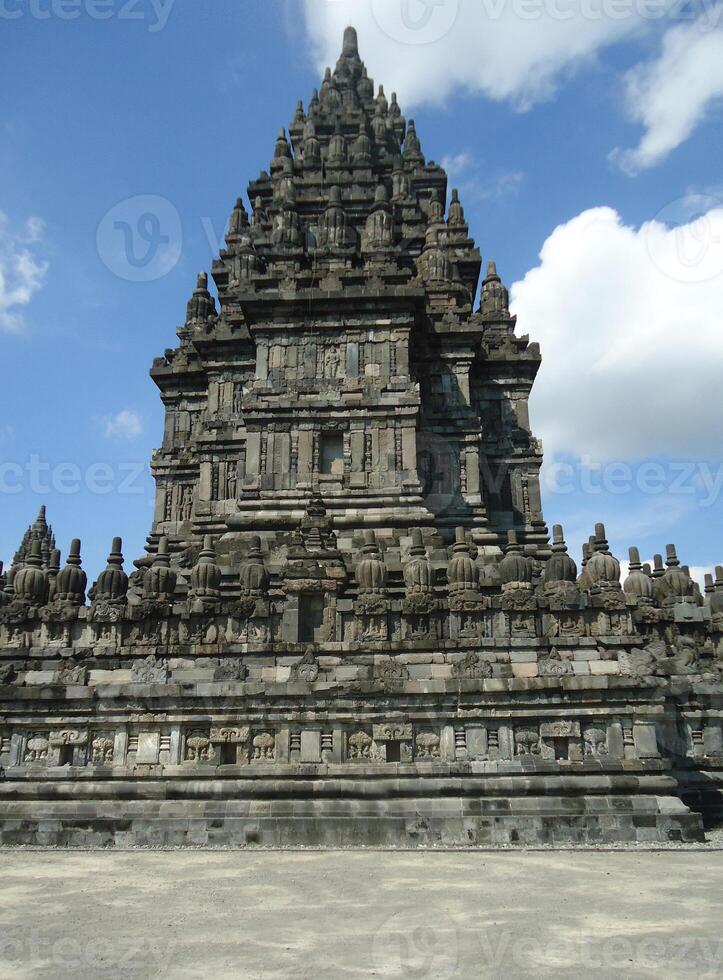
[[31, 581], [638, 584], [418, 572], [8, 587], [455, 215], [3, 583], [337, 154], [53, 571], [361, 150], [159, 580], [238, 226], [660, 586], [434, 263], [515, 569], [201, 307], [112, 584], [72, 581], [205, 578], [286, 232], [462, 572], [602, 569], [716, 596], [412, 148], [560, 567], [253, 576], [379, 228], [333, 232], [311, 152], [494, 299], [371, 572], [678, 585]]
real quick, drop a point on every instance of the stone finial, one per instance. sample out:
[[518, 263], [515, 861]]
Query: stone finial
[[382, 99], [716, 593], [159, 581], [455, 215], [205, 574], [350, 45], [433, 263], [494, 299], [31, 580], [71, 582], [603, 569], [365, 86], [371, 572], [253, 577], [515, 567], [559, 567], [201, 306], [418, 574], [709, 583], [361, 151], [9, 587], [462, 572], [112, 583], [53, 571], [412, 147], [394, 109], [678, 584], [238, 223], [637, 583], [282, 148], [299, 116], [337, 145]]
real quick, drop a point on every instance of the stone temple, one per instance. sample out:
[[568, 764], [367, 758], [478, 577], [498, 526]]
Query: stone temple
[[351, 626]]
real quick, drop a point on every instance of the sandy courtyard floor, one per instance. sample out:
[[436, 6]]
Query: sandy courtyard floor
[[361, 914]]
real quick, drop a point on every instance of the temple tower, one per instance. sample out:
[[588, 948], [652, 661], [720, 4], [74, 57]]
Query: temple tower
[[346, 358]]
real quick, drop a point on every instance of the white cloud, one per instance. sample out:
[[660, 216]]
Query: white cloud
[[671, 95], [629, 322], [22, 272], [126, 424], [513, 50]]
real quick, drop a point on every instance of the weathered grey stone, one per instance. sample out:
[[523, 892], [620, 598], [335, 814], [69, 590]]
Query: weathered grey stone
[[350, 626]]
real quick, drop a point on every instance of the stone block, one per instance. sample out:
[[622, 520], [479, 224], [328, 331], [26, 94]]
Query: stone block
[[148, 748]]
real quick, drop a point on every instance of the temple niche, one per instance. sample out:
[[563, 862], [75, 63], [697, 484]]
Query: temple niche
[[350, 625]]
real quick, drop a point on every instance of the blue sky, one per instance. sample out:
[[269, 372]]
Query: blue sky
[[587, 155]]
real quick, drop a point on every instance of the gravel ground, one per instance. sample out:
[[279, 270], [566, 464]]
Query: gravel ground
[[392, 914]]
